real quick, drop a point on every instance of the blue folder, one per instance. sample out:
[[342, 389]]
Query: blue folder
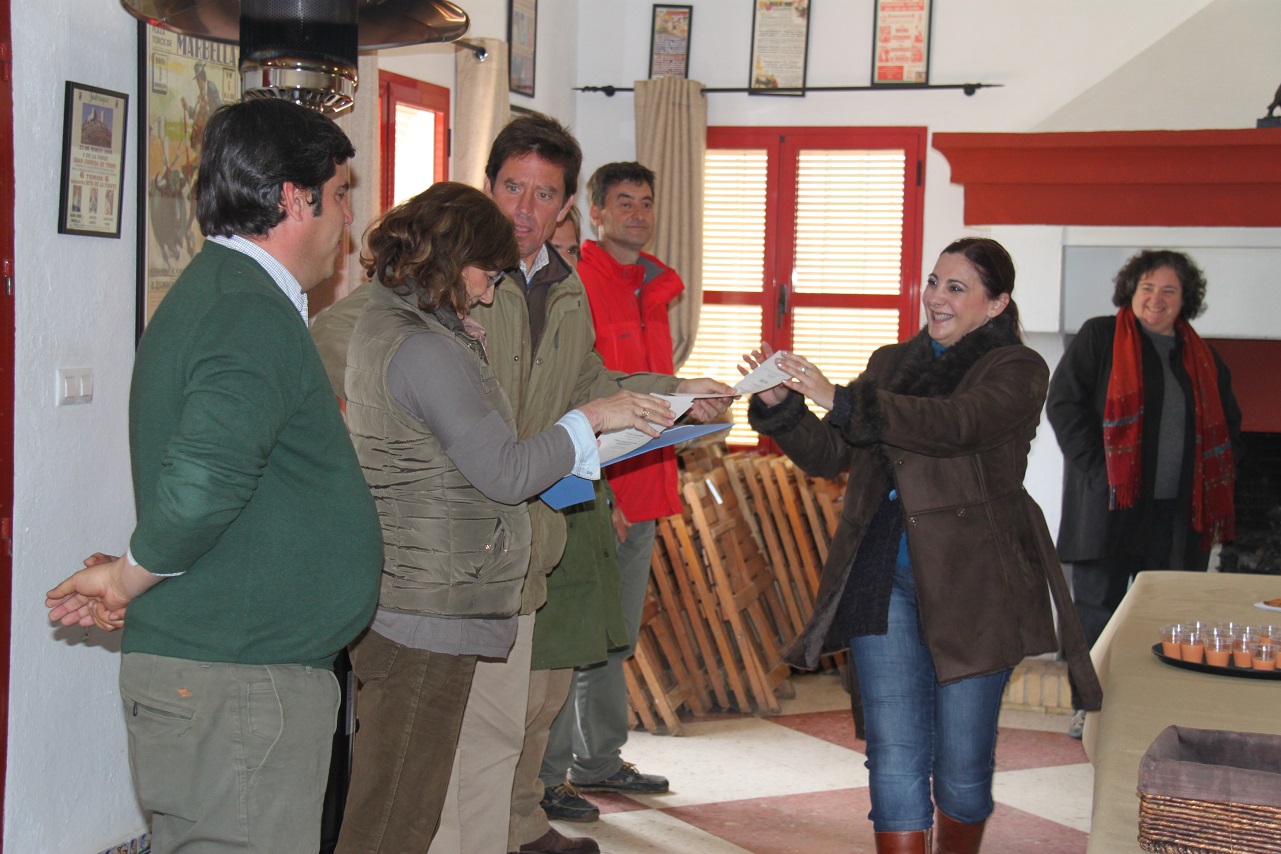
[[575, 490]]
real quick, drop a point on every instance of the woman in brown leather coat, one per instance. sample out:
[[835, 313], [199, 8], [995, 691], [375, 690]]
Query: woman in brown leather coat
[[940, 576]]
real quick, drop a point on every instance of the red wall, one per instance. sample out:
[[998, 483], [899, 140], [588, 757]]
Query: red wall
[[1256, 381]]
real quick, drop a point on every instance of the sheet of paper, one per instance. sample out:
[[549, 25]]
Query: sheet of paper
[[765, 376], [616, 443]]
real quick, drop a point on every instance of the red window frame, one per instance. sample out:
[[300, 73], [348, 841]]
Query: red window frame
[[784, 145], [396, 89]]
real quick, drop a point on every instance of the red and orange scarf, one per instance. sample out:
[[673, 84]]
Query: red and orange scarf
[[1213, 473]]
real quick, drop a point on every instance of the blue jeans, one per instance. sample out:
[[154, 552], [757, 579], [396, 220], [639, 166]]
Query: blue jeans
[[918, 729]]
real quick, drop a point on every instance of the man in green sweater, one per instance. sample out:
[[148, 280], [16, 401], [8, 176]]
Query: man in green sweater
[[257, 551]]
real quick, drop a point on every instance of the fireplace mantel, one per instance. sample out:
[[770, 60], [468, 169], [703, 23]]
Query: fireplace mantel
[[1118, 178]]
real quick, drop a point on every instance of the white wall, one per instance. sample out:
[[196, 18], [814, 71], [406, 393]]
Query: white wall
[[1156, 87], [68, 787]]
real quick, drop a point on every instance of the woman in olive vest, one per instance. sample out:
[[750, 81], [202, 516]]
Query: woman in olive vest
[[437, 441]]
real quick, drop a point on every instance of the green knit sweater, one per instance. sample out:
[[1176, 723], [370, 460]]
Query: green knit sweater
[[244, 480]]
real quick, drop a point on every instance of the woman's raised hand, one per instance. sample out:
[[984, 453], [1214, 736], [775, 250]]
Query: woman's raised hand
[[771, 396], [807, 379]]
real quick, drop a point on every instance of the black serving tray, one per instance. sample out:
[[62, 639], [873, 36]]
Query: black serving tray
[[1230, 670]]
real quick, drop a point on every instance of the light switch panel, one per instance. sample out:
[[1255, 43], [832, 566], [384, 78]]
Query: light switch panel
[[74, 385]]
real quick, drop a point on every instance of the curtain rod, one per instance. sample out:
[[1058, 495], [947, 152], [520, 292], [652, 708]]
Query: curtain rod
[[481, 52], [969, 88]]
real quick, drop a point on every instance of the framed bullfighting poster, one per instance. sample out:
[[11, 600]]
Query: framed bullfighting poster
[[182, 80], [901, 53], [93, 161], [780, 47]]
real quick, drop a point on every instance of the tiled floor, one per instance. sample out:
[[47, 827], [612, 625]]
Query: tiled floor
[[796, 783]]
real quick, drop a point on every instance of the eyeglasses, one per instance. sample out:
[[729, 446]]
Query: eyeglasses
[[497, 278]]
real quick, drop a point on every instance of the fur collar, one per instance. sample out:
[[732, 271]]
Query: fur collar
[[920, 374]]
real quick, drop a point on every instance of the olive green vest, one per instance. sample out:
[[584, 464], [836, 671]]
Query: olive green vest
[[449, 550]]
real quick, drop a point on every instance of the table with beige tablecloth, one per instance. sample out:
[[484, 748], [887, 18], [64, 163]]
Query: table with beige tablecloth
[[1142, 695]]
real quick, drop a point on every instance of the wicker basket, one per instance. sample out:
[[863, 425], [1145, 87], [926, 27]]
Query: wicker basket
[[1210, 792]]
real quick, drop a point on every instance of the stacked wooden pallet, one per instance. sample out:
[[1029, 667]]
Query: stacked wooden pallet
[[734, 581]]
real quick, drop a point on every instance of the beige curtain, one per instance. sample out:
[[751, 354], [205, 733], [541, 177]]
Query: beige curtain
[[671, 139], [481, 108], [360, 123]]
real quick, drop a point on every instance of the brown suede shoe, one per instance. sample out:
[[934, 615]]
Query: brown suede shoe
[[554, 842]]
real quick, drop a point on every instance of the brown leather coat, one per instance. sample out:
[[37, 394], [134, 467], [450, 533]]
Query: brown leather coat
[[952, 434]]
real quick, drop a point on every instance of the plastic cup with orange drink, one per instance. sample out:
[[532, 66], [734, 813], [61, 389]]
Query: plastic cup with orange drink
[[1192, 647], [1218, 650], [1264, 654]]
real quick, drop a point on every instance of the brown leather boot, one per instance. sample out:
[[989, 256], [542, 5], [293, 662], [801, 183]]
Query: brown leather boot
[[956, 837], [906, 842]]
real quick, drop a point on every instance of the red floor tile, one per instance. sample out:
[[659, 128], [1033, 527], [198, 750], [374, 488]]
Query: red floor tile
[[833, 727], [832, 821], [836, 821], [1017, 749]]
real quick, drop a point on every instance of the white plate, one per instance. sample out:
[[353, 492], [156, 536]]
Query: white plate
[[1265, 606]]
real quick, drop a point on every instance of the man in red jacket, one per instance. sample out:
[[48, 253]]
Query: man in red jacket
[[628, 291]]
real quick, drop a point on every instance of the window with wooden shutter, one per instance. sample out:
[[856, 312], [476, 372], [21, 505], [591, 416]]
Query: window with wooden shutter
[[811, 242]]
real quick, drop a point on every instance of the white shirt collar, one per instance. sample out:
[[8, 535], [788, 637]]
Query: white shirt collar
[[541, 260], [282, 277]]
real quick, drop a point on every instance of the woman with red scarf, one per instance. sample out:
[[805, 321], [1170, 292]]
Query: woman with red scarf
[[1150, 432]]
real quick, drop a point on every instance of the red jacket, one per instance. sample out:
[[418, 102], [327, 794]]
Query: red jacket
[[632, 334]]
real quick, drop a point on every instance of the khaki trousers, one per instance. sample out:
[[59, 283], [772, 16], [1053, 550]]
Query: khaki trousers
[[229, 757], [548, 690]]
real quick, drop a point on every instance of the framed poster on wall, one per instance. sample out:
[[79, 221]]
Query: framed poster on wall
[[181, 81], [780, 44], [901, 53], [522, 45], [93, 161], [669, 41]]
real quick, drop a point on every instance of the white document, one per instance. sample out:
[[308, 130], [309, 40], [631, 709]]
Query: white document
[[615, 443], [766, 376]]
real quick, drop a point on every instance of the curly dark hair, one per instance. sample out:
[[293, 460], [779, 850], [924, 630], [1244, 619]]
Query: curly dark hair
[[994, 266], [422, 245], [1149, 260]]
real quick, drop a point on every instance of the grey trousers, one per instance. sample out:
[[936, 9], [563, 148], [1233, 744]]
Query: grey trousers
[[589, 733], [229, 757]]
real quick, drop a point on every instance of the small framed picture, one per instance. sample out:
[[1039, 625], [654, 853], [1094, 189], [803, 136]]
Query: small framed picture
[[901, 53], [780, 45], [522, 45], [669, 41], [93, 161]]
